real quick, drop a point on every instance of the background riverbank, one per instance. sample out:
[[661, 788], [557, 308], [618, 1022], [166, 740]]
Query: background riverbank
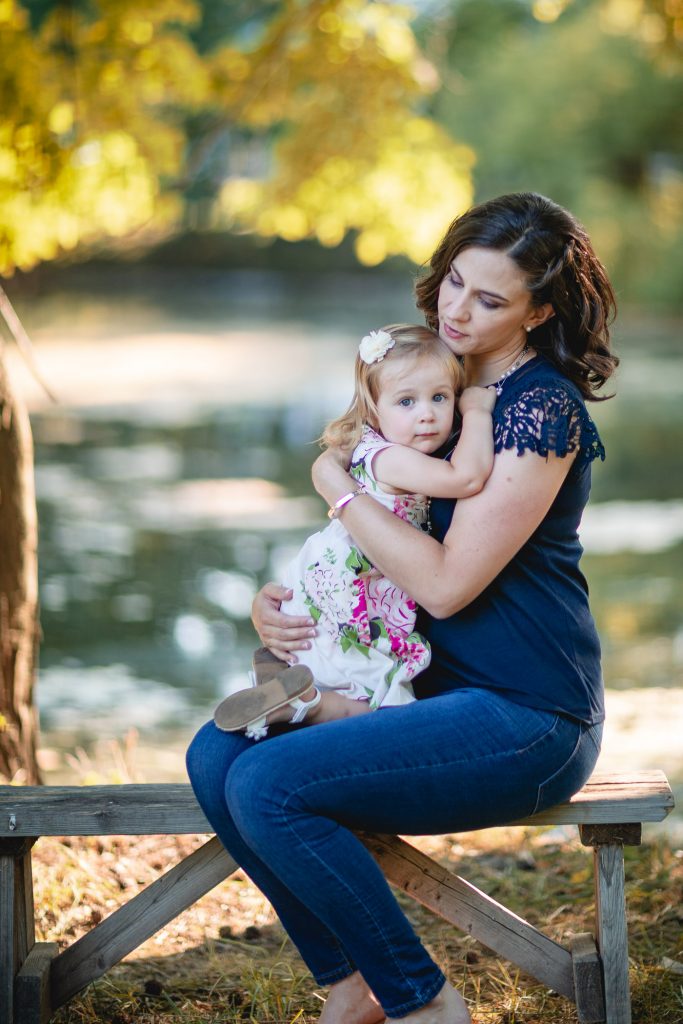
[[172, 479]]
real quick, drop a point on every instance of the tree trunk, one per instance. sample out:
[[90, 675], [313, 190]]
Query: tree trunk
[[19, 628]]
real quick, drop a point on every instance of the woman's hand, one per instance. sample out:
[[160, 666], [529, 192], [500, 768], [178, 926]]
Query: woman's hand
[[329, 474], [281, 633]]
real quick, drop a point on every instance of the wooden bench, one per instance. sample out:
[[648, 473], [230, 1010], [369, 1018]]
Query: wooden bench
[[36, 979]]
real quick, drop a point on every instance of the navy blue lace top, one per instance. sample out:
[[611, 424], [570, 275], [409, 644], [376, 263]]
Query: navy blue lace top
[[530, 633]]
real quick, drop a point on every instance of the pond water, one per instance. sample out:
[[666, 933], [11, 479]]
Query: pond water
[[173, 479]]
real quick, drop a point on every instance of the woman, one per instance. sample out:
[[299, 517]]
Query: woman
[[509, 719]]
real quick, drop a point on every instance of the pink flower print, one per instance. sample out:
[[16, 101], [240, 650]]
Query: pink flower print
[[402, 510], [359, 612], [332, 594], [391, 604], [412, 508], [412, 655]]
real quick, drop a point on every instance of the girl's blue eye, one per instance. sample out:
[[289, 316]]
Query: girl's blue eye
[[406, 402], [439, 398]]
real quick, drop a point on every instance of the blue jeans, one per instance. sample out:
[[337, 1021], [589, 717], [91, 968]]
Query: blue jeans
[[286, 808]]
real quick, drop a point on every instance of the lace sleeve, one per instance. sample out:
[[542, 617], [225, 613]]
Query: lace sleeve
[[547, 419]]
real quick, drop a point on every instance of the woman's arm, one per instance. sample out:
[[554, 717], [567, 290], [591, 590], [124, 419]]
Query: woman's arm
[[485, 533], [468, 468]]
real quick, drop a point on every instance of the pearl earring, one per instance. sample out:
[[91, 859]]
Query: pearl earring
[[527, 329]]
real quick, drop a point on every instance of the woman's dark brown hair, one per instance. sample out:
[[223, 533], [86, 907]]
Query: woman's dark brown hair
[[555, 255]]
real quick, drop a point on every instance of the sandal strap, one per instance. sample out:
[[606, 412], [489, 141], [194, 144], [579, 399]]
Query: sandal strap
[[258, 729], [302, 707]]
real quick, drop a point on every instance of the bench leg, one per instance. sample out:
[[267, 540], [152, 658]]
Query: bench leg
[[17, 933], [610, 913], [32, 1000], [589, 992]]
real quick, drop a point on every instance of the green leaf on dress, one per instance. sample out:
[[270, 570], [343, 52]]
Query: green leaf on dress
[[313, 609], [357, 562], [348, 638]]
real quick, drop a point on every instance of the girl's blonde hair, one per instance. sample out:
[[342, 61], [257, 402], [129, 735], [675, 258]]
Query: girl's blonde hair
[[409, 340]]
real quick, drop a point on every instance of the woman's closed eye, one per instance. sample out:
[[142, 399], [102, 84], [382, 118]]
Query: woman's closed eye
[[456, 281]]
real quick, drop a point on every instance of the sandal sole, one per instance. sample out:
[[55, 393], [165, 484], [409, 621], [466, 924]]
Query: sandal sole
[[241, 709]]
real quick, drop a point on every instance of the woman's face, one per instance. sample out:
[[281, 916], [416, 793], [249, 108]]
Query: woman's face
[[484, 304]]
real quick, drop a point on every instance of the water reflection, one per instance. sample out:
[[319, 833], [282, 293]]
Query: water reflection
[[174, 480]]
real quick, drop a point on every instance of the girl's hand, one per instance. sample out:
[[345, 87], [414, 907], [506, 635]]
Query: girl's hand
[[329, 474], [280, 633], [482, 399]]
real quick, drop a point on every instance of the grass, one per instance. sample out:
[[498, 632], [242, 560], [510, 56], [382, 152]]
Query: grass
[[228, 960]]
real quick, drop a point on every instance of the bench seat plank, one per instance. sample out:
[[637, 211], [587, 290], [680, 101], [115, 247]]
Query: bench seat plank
[[612, 798], [171, 808], [135, 809]]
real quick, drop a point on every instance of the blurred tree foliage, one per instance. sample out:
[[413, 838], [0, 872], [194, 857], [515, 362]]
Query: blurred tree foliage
[[89, 122], [297, 119], [300, 119], [581, 100]]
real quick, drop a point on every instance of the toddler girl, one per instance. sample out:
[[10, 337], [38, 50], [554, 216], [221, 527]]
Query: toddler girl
[[366, 650]]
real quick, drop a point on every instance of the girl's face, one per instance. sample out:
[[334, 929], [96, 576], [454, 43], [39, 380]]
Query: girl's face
[[484, 304], [416, 402]]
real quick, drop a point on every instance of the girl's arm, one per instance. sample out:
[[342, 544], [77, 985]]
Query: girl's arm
[[485, 533], [468, 468]]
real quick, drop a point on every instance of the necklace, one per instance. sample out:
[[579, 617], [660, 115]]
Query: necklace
[[498, 384]]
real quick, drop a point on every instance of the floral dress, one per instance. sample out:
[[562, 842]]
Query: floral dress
[[366, 647]]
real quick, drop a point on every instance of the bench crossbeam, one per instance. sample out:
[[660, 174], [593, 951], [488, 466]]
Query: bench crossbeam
[[462, 904], [35, 979], [132, 924]]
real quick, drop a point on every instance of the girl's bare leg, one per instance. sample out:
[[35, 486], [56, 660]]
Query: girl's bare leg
[[350, 1001], [332, 707]]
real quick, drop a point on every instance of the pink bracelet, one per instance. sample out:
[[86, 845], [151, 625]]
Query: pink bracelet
[[334, 510]]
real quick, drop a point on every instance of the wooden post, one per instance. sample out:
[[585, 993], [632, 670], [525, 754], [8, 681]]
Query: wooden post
[[17, 934], [6, 934], [32, 1004], [610, 912], [588, 984]]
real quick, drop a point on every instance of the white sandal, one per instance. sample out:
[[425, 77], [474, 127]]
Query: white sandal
[[248, 709], [258, 729]]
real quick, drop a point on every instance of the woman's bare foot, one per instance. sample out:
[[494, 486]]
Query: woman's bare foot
[[350, 1001], [447, 1008]]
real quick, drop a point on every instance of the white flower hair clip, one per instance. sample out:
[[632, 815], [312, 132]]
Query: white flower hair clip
[[374, 346]]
